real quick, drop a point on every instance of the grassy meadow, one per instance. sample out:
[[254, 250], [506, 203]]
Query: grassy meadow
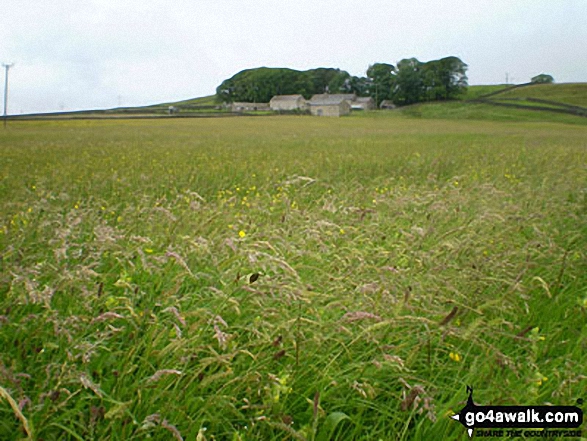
[[287, 278], [569, 93]]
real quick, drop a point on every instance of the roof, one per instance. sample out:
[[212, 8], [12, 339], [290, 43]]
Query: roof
[[249, 104], [286, 97], [339, 96], [327, 100], [364, 99]]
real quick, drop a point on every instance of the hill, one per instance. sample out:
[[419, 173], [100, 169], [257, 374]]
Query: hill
[[566, 98], [574, 94], [460, 110], [474, 92], [209, 100]]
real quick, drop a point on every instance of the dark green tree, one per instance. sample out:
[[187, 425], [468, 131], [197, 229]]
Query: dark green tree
[[382, 77], [409, 82], [361, 86], [340, 83], [261, 84], [321, 78], [453, 77], [444, 79], [543, 79]]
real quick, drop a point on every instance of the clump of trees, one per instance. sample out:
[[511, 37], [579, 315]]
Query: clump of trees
[[411, 81], [543, 79], [261, 84]]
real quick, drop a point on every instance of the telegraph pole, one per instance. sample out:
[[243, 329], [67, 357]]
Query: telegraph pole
[[6, 67]]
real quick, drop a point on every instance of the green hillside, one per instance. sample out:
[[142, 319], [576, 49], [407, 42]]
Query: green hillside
[[457, 110], [474, 92], [574, 94], [202, 101]]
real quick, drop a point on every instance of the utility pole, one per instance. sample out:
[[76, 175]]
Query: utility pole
[[6, 67]]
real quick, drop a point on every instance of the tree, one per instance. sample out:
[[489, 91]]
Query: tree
[[409, 82], [321, 78], [340, 83], [434, 80], [543, 79], [382, 80], [262, 84], [444, 79], [361, 86]]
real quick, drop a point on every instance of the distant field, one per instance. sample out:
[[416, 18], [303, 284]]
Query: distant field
[[568, 93], [287, 278]]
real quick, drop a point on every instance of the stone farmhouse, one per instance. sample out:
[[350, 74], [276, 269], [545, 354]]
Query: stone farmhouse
[[330, 105], [288, 103], [320, 104], [349, 97]]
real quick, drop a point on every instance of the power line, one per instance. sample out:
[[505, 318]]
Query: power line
[[6, 67]]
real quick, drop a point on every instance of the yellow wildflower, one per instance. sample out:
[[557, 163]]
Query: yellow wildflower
[[541, 380]]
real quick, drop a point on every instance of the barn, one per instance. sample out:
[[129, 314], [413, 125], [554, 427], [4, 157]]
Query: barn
[[288, 103], [248, 107], [350, 97], [329, 105], [363, 103]]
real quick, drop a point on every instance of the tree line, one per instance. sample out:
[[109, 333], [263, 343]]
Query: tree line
[[410, 81]]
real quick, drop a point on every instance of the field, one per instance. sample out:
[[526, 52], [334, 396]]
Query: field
[[568, 93], [456, 110], [474, 92], [287, 277]]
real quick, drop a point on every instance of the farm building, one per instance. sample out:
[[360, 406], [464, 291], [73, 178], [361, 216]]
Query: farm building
[[288, 103], [363, 103], [350, 97], [247, 107], [329, 105], [387, 104]]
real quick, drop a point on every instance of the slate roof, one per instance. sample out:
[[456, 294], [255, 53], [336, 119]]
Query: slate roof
[[286, 97], [334, 96], [329, 100]]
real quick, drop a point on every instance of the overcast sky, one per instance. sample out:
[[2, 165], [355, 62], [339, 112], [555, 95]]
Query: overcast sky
[[82, 54]]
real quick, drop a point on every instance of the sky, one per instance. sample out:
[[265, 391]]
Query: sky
[[89, 54]]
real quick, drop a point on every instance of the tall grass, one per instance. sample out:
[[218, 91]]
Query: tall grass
[[287, 278]]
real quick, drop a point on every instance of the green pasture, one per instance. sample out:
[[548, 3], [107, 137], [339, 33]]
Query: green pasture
[[461, 111], [288, 277], [474, 92], [574, 94]]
